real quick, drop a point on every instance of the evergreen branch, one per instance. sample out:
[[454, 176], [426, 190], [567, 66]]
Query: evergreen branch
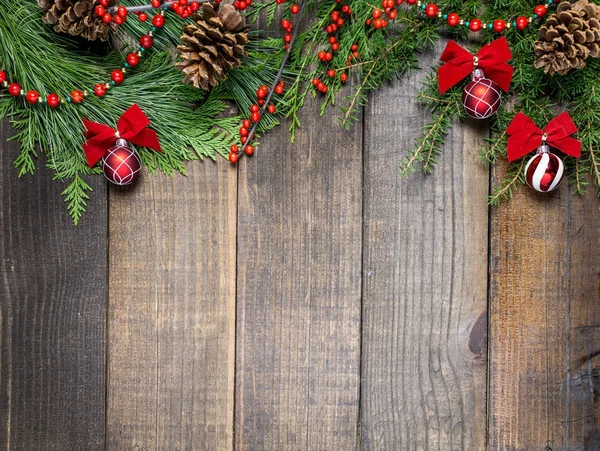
[[505, 190]]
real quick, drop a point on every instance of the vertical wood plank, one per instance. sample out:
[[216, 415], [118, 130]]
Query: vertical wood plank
[[425, 286], [172, 311], [299, 253], [545, 316], [53, 309]]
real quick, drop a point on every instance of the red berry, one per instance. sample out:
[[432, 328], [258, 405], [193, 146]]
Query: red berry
[[143, 17], [255, 117], [344, 78], [249, 150], [246, 123], [2, 76], [254, 109], [100, 10], [233, 157], [122, 11], [295, 9], [271, 109], [107, 18], [279, 89]]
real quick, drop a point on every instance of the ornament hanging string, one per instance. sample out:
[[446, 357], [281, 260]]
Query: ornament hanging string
[[525, 136], [459, 63], [132, 126]]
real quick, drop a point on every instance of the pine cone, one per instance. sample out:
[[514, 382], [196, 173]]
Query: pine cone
[[75, 17], [212, 45], [568, 38]]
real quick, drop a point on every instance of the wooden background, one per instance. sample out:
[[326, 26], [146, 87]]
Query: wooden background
[[308, 300]]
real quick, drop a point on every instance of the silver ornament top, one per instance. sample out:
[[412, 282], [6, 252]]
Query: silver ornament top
[[122, 142]]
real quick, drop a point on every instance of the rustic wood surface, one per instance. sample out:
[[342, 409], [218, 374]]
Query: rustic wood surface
[[308, 300], [53, 313]]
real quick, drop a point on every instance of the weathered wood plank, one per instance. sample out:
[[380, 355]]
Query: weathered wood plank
[[53, 310], [544, 363], [425, 286], [299, 253], [172, 311]]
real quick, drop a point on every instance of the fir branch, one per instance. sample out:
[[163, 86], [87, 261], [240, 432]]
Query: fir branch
[[508, 184]]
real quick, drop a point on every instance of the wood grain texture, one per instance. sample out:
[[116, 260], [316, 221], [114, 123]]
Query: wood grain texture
[[544, 365], [53, 308], [425, 287], [299, 253], [172, 311]]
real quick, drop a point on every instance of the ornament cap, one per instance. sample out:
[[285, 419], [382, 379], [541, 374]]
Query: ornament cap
[[544, 148], [122, 142], [477, 74]]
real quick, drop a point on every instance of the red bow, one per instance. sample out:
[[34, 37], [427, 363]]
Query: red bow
[[525, 136], [131, 126], [491, 59]]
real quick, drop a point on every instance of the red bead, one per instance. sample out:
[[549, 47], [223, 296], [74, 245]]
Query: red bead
[[158, 21], [122, 11], [522, 23], [146, 41], [32, 97], [14, 89], [2, 76], [475, 25], [77, 96], [499, 26], [453, 19], [100, 90], [540, 10], [53, 100], [117, 76], [133, 59], [431, 10]]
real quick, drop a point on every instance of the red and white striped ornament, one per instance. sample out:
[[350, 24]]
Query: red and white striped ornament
[[544, 171], [121, 165]]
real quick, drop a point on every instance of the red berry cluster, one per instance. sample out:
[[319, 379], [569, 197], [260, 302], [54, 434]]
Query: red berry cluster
[[102, 12], [388, 9], [338, 19], [256, 113]]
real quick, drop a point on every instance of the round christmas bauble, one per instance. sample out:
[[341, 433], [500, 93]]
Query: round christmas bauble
[[481, 98], [544, 171], [121, 165]]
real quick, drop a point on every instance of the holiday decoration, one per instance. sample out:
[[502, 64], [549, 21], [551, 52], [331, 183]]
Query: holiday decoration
[[490, 72], [569, 38], [544, 171], [48, 82], [132, 126], [75, 18], [213, 45], [121, 165]]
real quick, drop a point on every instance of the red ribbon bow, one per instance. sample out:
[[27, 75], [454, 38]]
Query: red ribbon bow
[[525, 136], [132, 126], [491, 59]]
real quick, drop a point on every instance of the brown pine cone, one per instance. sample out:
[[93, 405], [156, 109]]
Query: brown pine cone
[[75, 18], [213, 45], [568, 38]]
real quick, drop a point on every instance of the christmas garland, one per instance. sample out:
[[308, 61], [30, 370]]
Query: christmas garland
[[52, 77]]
